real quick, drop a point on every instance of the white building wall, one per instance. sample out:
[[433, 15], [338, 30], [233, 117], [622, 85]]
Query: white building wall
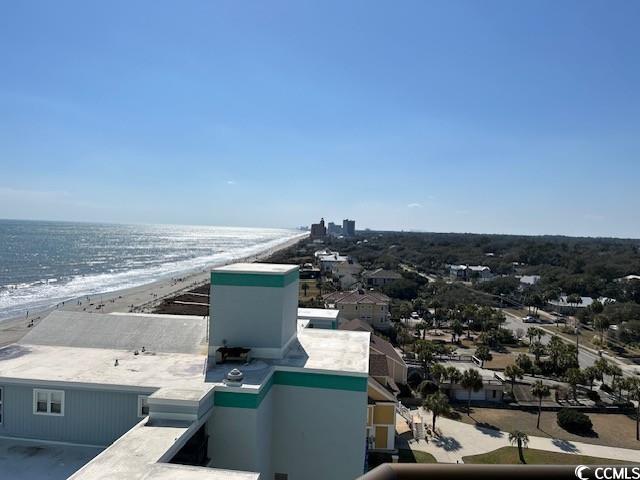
[[254, 317], [319, 433]]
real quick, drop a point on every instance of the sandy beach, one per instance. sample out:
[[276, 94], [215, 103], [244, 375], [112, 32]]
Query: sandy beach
[[137, 299]]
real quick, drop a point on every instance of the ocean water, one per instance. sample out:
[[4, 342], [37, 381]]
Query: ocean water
[[44, 263]]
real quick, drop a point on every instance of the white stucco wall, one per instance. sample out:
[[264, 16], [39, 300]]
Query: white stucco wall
[[253, 317]]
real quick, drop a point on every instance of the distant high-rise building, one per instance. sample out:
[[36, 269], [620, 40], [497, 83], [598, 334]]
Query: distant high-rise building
[[333, 229], [318, 230], [348, 227]]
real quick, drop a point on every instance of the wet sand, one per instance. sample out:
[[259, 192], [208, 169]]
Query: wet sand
[[137, 299]]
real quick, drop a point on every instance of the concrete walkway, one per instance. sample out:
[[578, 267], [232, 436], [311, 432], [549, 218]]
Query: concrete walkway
[[457, 440]]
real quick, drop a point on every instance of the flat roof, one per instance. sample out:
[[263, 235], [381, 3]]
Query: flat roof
[[29, 459], [157, 333], [257, 268], [43, 364], [327, 313], [337, 352], [141, 452], [486, 374]]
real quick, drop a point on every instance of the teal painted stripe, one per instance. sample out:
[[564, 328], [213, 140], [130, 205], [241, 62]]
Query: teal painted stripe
[[292, 379], [253, 279], [321, 380]]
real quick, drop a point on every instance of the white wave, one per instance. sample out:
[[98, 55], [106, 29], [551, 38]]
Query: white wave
[[18, 298]]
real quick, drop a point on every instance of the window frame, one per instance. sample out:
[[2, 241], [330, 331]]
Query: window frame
[[49, 394], [141, 399]]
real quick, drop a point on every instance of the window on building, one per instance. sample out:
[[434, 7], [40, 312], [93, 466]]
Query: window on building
[[1, 403], [280, 476], [48, 402], [143, 406], [494, 393]]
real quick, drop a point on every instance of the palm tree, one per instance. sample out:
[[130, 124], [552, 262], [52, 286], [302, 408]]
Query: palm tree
[[574, 377], [454, 375], [614, 371], [513, 372], [539, 390], [456, 329], [438, 372], [633, 387], [438, 404], [470, 381], [538, 350], [305, 288], [601, 323], [602, 366], [590, 374], [522, 440]]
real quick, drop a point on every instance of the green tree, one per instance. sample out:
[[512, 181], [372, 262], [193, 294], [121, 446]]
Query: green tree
[[590, 374], [470, 381], [524, 362], [537, 349], [457, 329], [614, 371], [539, 390], [520, 439], [438, 404], [438, 372], [453, 375], [483, 354], [633, 386], [601, 323], [513, 372], [574, 377], [602, 366], [556, 348]]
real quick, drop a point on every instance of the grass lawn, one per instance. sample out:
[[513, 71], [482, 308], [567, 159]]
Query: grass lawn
[[509, 455], [405, 455], [616, 430], [312, 290]]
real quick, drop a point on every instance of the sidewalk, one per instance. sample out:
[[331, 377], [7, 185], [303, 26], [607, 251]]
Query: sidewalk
[[457, 440]]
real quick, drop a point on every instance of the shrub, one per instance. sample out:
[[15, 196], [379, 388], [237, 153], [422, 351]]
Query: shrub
[[427, 388], [414, 379], [574, 421], [593, 395]]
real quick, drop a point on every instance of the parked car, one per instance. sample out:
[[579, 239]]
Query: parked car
[[530, 319]]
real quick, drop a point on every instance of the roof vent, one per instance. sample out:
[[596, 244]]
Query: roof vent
[[116, 363], [234, 377]]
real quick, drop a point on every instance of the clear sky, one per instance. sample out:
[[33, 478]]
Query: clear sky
[[484, 116]]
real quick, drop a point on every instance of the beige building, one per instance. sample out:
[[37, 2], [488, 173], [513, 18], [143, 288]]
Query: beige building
[[380, 277], [369, 306], [386, 370]]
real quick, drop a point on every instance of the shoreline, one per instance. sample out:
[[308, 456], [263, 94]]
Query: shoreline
[[132, 299]]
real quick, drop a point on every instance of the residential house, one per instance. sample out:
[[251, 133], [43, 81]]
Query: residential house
[[380, 277], [492, 386], [328, 262], [468, 273], [367, 305]]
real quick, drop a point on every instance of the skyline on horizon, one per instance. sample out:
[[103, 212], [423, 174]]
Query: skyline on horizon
[[437, 117]]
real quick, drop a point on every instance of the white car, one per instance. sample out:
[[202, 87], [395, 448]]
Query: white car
[[530, 319]]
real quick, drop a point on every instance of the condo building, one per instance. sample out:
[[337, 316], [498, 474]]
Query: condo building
[[260, 390]]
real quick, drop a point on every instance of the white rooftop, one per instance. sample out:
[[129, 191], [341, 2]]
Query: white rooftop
[[315, 350], [260, 268], [140, 454], [326, 313], [44, 363], [485, 373]]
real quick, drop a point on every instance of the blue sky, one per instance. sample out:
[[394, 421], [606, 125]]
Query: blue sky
[[485, 116]]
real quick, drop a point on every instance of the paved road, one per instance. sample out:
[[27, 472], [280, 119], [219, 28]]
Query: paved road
[[514, 322]]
